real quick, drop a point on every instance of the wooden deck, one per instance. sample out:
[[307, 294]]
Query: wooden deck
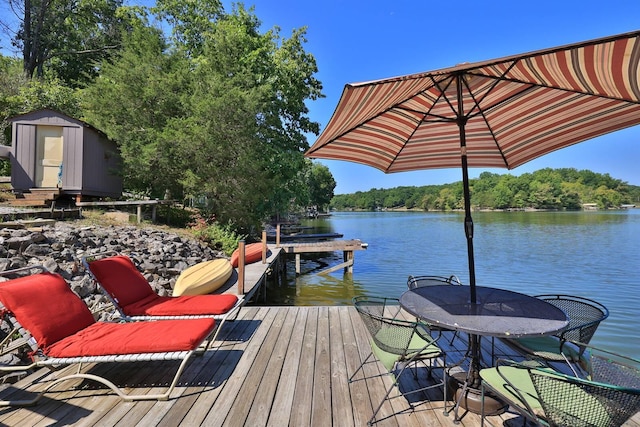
[[275, 366]]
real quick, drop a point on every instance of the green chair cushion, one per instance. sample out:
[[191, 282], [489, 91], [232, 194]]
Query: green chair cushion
[[520, 379], [389, 338], [570, 401], [548, 347]]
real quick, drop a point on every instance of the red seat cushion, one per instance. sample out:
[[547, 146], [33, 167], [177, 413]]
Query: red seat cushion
[[103, 339], [181, 305], [118, 276], [45, 305]]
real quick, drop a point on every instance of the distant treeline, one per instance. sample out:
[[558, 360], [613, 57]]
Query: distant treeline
[[564, 188]]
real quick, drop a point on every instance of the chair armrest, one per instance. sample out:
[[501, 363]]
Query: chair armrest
[[583, 333]]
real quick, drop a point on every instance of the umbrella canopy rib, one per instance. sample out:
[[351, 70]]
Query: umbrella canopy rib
[[515, 109]]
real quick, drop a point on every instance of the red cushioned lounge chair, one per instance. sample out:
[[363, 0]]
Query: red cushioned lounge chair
[[62, 331], [135, 299]]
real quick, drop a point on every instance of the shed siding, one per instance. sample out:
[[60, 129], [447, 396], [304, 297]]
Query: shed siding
[[72, 165], [101, 163], [24, 155]]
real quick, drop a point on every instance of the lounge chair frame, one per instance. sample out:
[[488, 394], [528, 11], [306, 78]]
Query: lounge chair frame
[[220, 318], [55, 363]]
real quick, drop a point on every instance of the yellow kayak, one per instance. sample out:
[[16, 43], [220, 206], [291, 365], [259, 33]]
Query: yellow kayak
[[203, 278]]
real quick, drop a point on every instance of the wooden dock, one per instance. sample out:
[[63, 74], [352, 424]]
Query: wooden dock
[[251, 282], [346, 246], [256, 274], [303, 237], [274, 366]]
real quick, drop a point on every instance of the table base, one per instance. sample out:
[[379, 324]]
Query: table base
[[472, 398]]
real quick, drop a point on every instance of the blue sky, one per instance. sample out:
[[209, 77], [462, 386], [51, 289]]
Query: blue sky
[[360, 40]]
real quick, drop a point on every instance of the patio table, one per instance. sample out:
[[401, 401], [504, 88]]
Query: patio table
[[497, 313]]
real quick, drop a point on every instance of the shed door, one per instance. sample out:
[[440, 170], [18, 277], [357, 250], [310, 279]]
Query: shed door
[[49, 156]]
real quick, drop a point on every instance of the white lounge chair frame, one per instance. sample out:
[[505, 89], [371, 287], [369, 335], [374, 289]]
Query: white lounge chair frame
[[55, 363], [220, 318]]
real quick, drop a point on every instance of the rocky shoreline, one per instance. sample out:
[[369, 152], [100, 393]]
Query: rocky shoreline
[[160, 255]]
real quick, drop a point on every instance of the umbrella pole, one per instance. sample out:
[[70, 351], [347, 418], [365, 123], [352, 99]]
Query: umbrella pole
[[468, 221], [474, 340], [468, 226]]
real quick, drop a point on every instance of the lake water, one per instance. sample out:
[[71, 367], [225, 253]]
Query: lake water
[[594, 254]]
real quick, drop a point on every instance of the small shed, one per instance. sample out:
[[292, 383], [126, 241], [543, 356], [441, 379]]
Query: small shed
[[52, 151]]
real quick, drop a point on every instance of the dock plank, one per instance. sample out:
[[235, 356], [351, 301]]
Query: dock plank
[[321, 400], [284, 394], [234, 388], [340, 391], [273, 360], [302, 399], [323, 246], [355, 352]]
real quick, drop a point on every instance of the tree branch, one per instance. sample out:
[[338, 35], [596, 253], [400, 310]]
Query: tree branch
[[80, 52]]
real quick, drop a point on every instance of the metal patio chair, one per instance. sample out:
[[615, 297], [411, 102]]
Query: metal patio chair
[[584, 317], [414, 282], [397, 344], [420, 281], [603, 391]]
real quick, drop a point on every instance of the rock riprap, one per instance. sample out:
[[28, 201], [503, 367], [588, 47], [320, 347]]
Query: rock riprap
[[160, 255]]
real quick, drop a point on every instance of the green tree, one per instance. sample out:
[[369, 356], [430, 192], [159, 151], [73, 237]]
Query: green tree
[[134, 101], [503, 194], [607, 198], [226, 120], [19, 95], [428, 202], [447, 199], [415, 199], [190, 22], [543, 189], [11, 81], [321, 185], [572, 195], [67, 38]]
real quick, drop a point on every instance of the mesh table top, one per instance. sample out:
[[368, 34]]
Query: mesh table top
[[497, 312]]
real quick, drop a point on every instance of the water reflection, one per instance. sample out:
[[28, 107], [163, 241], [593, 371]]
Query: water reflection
[[322, 290], [553, 218]]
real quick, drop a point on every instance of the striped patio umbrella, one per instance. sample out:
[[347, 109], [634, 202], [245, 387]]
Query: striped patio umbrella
[[497, 113]]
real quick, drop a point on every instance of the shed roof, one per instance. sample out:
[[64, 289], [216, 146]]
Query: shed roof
[[58, 113]]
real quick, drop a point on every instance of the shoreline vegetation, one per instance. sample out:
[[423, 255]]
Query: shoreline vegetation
[[405, 209], [544, 190]]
